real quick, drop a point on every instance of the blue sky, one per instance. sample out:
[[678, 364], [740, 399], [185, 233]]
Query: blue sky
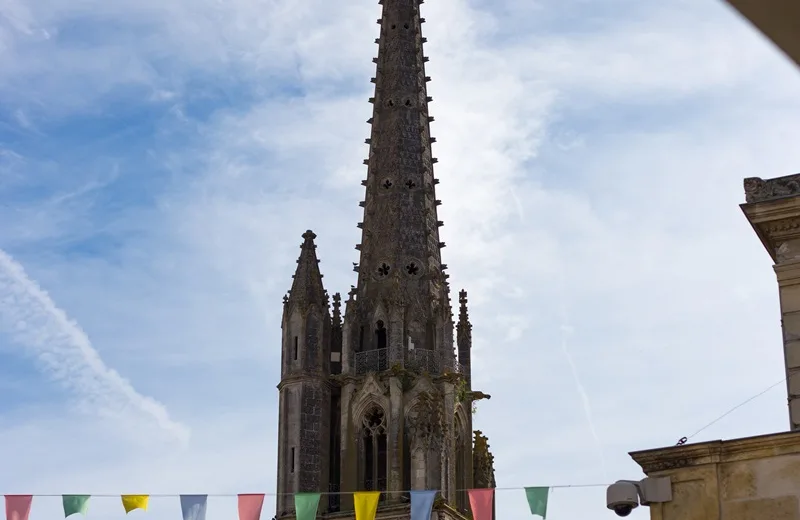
[[159, 160]]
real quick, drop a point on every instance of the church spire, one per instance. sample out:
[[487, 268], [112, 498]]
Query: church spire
[[307, 288], [400, 239]]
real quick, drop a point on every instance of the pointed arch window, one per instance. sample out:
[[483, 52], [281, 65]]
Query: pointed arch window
[[373, 445]]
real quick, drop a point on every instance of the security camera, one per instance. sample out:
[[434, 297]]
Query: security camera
[[624, 496]]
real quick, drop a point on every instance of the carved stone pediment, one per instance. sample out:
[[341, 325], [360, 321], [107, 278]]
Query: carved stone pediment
[[371, 393], [371, 386]]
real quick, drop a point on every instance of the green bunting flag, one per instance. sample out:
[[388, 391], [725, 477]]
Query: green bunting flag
[[75, 504], [305, 505], [537, 500]]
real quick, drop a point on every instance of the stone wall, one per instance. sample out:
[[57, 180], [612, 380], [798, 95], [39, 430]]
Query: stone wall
[[743, 479], [773, 209]]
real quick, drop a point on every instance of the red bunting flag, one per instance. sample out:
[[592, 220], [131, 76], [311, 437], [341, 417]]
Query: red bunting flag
[[480, 500], [250, 506], [18, 507]]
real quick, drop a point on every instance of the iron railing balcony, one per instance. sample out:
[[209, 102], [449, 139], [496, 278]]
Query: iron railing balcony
[[423, 360], [417, 360], [372, 361]]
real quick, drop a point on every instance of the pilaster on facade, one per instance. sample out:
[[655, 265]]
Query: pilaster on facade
[[773, 209]]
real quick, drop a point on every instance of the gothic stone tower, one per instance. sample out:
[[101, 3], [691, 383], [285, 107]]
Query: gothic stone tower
[[379, 400]]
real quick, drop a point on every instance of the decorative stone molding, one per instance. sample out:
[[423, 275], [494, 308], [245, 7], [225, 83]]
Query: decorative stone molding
[[782, 229], [773, 209], [760, 190]]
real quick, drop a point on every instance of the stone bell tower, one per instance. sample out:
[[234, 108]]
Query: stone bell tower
[[380, 400], [304, 426]]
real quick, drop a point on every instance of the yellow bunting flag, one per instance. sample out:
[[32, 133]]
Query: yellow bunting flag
[[366, 504], [131, 502]]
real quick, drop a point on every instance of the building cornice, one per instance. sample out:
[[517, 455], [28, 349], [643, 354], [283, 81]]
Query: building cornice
[[713, 452], [773, 210]]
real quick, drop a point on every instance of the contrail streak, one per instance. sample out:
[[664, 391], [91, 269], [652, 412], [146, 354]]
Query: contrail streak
[[587, 406], [31, 318]]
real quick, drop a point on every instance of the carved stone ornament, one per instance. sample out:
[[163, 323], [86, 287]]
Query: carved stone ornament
[[372, 386], [482, 462], [759, 190], [663, 465], [413, 267], [383, 271], [781, 228], [426, 424]]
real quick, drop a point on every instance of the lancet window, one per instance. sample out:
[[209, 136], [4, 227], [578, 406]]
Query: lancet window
[[373, 442]]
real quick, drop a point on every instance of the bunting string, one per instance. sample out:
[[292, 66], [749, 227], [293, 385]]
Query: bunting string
[[250, 505], [323, 493]]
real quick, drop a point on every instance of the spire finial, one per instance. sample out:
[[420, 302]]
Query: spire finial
[[307, 287], [463, 314], [337, 309], [309, 237]]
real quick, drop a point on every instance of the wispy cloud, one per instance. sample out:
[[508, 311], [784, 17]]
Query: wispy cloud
[[32, 319]]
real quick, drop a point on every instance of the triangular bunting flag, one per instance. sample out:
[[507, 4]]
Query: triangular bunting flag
[[537, 500], [480, 500], [422, 504], [131, 502], [366, 504], [18, 507], [306, 505], [250, 506], [75, 504], [193, 507]]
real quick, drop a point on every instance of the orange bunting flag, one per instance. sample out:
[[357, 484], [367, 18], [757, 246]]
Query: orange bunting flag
[[18, 507], [480, 500], [366, 504], [131, 502], [250, 506]]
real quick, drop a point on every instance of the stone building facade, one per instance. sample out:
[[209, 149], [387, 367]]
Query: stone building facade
[[773, 209], [756, 477], [743, 479], [377, 398]]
